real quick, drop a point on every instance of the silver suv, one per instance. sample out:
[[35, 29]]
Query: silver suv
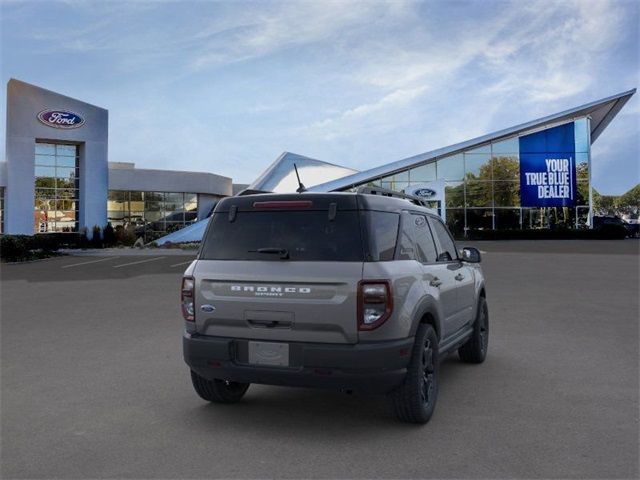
[[352, 291]]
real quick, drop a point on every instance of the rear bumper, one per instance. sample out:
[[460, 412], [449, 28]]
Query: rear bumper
[[367, 367]]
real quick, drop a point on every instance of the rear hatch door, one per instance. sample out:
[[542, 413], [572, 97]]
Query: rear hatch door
[[284, 269]]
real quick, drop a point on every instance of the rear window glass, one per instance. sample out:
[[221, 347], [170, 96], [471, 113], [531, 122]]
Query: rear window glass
[[303, 235]]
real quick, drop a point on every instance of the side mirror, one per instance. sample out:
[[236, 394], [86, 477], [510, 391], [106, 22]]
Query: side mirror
[[471, 255]]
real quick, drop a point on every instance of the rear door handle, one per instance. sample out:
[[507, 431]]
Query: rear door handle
[[459, 277], [436, 282]]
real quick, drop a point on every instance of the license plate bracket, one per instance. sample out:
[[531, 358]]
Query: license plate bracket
[[269, 353]]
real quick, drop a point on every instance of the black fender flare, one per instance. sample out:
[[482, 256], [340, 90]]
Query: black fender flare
[[427, 306]]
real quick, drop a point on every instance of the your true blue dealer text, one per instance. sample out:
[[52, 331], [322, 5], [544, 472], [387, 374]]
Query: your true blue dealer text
[[554, 183]]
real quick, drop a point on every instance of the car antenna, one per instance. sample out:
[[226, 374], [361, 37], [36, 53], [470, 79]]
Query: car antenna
[[301, 188]]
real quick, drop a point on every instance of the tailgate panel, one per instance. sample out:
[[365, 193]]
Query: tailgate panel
[[275, 300]]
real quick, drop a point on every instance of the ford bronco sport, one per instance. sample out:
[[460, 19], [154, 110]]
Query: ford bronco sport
[[352, 291]]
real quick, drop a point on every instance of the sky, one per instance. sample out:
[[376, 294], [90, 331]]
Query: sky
[[225, 87]]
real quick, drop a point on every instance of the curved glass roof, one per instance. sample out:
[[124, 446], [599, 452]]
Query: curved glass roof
[[280, 177]]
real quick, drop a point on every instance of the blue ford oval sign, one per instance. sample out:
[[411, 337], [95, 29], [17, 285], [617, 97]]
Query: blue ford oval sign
[[425, 193], [60, 119]]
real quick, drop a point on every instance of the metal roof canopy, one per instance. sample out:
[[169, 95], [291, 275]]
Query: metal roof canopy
[[601, 113]]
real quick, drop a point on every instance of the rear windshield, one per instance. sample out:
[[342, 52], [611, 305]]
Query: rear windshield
[[284, 235], [305, 235]]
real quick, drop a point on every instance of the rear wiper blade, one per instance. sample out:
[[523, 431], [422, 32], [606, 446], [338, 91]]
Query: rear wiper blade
[[283, 252]]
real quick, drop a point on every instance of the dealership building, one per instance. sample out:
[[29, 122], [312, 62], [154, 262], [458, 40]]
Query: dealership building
[[57, 176]]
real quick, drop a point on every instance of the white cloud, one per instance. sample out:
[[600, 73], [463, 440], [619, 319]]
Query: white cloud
[[534, 53], [354, 120], [269, 27]]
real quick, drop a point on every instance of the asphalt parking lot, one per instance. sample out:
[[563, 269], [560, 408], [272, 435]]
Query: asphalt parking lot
[[94, 386]]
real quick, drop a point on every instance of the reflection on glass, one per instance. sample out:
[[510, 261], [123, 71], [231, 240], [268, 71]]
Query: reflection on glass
[[491, 176], [507, 218], [582, 195], [45, 171], [485, 149], [153, 213], [582, 217], [581, 134], [505, 167], [455, 221], [402, 176], [454, 194], [423, 173], [66, 161], [508, 147], [582, 166], [396, 186], [478, 194], [480, 218], [477, 166], [1, 209], [450, 168], [548, 218], [45, 160], [66, 150], [56, 188], [45, 149], [506, 194], [115, 216]]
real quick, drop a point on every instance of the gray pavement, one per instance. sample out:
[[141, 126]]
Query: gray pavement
[[93, 384]]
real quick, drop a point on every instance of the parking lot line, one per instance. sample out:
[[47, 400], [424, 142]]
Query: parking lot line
[[90, 261], [139, 261], [181, 263]]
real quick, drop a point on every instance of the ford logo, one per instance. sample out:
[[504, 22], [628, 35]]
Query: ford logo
[[425, 193], [60, 119]]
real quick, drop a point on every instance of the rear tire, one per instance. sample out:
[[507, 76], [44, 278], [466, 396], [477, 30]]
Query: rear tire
[[218, 391], [415, 400], [475, 350]]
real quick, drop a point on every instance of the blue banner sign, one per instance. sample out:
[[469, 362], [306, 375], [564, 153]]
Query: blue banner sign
[[548, 168]]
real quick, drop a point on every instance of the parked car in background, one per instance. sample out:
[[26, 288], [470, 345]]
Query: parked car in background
[[602, 222]]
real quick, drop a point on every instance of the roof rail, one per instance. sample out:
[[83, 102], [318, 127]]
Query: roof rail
[[392, 193]]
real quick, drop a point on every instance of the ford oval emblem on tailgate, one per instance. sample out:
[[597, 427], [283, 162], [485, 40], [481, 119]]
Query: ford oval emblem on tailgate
[[207, 308]]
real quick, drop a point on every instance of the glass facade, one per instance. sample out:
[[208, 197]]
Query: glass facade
[[482, 187], [57, 179], [1, 209], [152, 214]]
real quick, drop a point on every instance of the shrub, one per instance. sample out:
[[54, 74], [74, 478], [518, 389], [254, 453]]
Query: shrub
[[125, 236], [108, 236], [15, 248], [96, 239]]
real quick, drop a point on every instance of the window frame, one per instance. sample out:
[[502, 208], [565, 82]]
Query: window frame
[[415, 238], [439, 247]]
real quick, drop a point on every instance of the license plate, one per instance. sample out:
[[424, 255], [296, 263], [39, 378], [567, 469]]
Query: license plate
[[269, 353]]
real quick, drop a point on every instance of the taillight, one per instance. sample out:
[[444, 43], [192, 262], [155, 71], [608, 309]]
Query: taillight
[[186, 298], [375, 303]]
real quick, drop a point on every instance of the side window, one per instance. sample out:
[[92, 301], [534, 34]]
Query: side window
[[383, 234], [405, 242], [426, 249], [447, 246]]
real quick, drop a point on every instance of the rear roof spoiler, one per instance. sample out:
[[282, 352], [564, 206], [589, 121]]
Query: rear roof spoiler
[[248, 191], [367, 190]]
